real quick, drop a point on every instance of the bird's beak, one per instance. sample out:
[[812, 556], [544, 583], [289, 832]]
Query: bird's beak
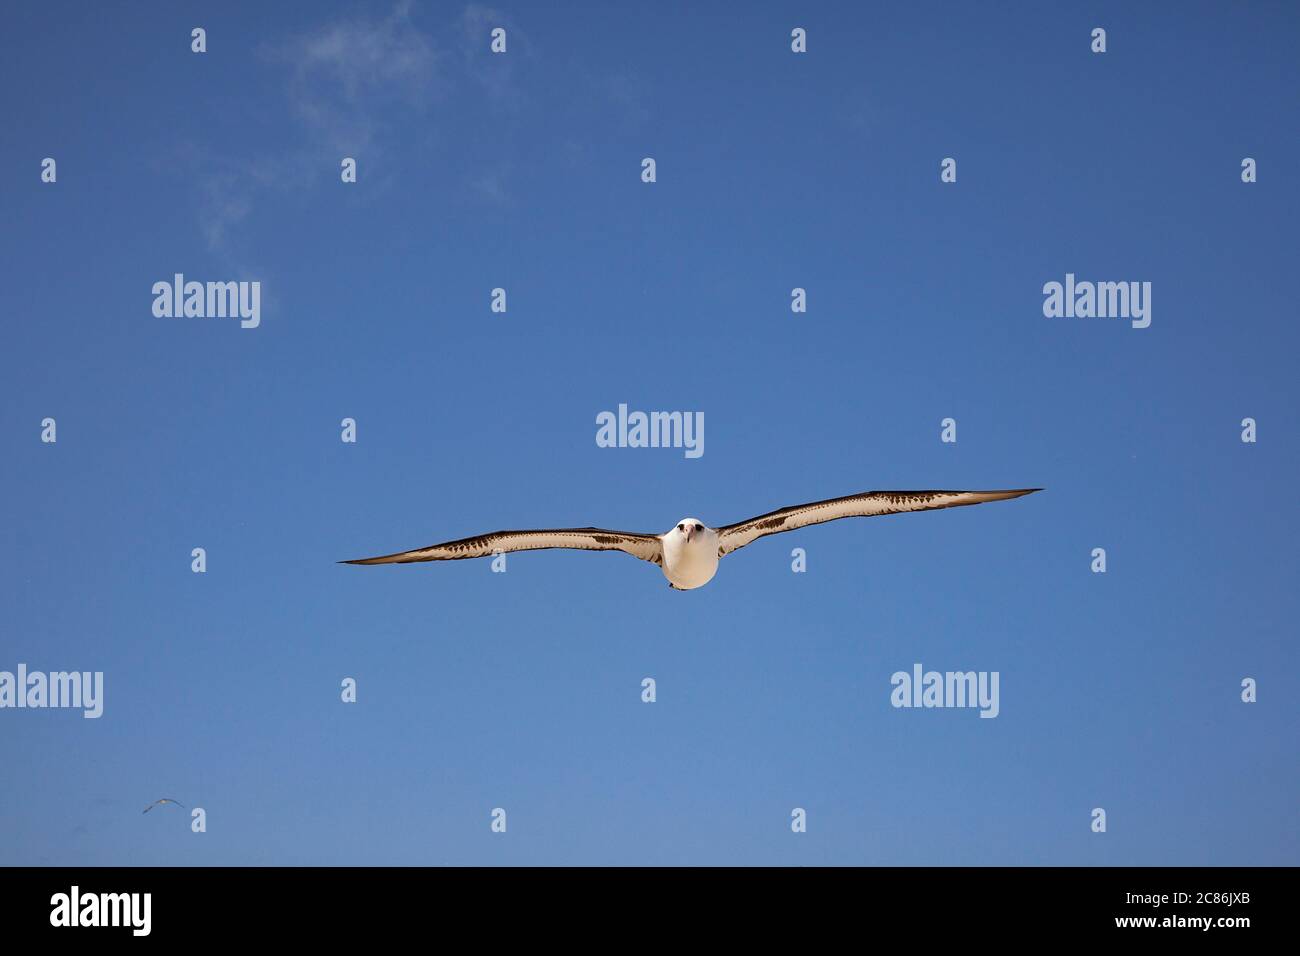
[[690, 533]]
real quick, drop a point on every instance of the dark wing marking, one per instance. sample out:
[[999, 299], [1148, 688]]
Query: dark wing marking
[[865, 505], [647, 547]]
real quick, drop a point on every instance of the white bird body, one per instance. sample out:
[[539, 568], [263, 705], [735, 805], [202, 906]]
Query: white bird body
[[689, 554]]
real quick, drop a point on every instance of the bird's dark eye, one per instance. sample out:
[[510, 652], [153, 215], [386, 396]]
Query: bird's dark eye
[[699, 527], [681, 527]]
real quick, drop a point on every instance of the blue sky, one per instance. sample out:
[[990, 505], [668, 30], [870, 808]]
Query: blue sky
[[522, 690]]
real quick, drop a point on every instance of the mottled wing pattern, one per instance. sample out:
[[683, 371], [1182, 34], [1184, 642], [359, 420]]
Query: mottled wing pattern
[[865, 505], [647, 547]]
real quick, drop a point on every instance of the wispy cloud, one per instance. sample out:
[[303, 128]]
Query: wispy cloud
[[494, 73], [342, 77], [355, 85], [345, 72], [490, 184], [227, 187], [222, 208]]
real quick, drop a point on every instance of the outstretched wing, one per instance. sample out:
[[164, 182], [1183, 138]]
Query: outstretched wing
[[163, 802], [647, 547], [865, 505]]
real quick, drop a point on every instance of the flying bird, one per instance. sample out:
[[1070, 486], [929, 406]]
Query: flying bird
[[158, 803], [689, 553]]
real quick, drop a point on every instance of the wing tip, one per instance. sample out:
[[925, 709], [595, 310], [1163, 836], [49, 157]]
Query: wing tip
[[1014, 493], [400, 557]]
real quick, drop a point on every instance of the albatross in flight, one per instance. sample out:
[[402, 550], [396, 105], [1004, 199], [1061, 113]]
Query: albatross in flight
[[689, 553], [163, 802]]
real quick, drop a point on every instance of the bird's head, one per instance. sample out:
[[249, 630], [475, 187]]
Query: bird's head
[[692, 531]]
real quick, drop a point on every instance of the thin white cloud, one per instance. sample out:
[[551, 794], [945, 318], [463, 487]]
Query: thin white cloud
[[350, 83], [344, 71], [493, 72]]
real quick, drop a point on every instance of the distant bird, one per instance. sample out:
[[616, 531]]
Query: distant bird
[[689, 553], [158, 803]]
